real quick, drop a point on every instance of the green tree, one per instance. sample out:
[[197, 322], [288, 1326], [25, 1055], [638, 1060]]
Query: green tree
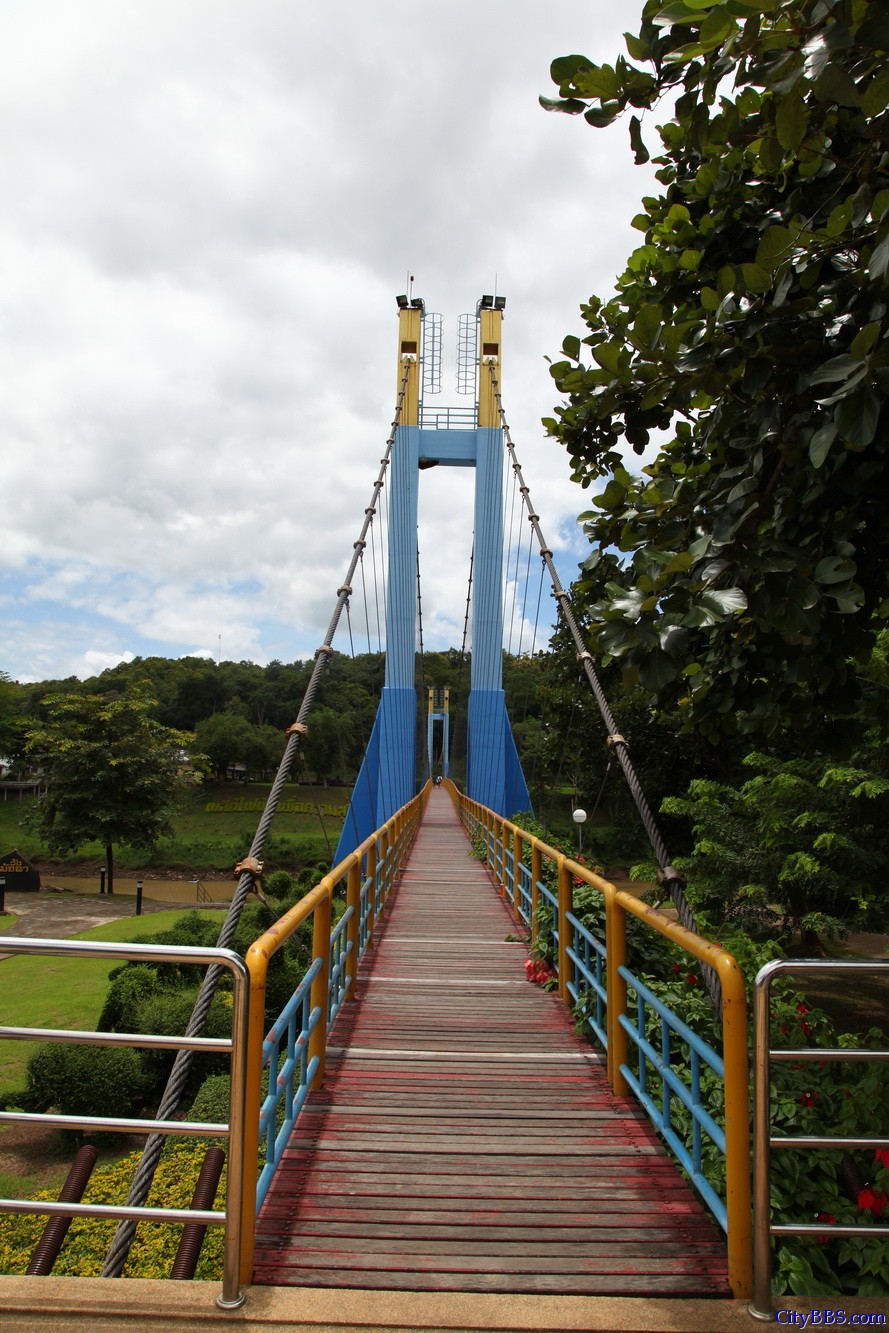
[[13, 723], [329, 732], [751, 325], [797, 847], [113, 773], [225, 738], [228, 738]]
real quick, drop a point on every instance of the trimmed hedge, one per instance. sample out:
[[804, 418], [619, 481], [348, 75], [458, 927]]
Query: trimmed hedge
[[86, 1080]]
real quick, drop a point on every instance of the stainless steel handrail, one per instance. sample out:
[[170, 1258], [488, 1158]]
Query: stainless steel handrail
[[764, 1141], [231, 1296]]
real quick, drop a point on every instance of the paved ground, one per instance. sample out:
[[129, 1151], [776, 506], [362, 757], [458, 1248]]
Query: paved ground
[[98, 1305], [58, 916]]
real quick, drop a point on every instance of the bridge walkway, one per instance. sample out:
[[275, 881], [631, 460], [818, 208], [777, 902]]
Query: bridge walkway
[[466, 1138]]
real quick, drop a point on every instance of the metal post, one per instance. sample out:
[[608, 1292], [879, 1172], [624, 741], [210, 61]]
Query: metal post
[[239, 1193], [616, 989], [102, 874], [318, 999], [371, 894], [762, 1241], [737, 1127], [384, 869], [2, 893], [138, 897]]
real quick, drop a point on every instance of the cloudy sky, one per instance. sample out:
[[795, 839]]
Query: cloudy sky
[[209, 207]]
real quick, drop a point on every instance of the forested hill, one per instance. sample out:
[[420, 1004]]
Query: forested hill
[[239, 710]]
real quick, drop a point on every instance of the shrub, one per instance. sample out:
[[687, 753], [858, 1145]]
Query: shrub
[[212, 1101], [167, 1013], [86, 1080], [279, 885], [130, 986]]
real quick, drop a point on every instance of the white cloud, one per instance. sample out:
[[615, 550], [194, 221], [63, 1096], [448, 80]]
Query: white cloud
[[208, 209]]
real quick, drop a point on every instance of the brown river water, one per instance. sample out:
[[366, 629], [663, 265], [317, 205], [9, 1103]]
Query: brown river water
[[174, 891]]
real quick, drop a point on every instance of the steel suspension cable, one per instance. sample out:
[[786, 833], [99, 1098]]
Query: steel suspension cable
[[421, 711], [377, 580], [468, 608], [668, 876], [384, 541], [512, 516], [250, 869], [366, 610], [351, 803], [458, 692], [419, 613], [524, 618]]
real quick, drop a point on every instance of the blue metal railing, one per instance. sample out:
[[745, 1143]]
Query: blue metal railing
[[655, 1065], [368, 893], [448, 418], [340, 978], [588, 986], [524, 896], [289, 1082]]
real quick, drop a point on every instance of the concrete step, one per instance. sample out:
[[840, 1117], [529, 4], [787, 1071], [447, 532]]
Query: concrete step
[[44, 1305]]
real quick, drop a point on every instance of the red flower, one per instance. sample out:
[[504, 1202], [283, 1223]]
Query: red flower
[[872, 1201], [784, 1029], [806, 1029], [803, 1009], [538, 971], [824, 1217], [691, 979], [808, 1099], [677, 967], [881, 1155]]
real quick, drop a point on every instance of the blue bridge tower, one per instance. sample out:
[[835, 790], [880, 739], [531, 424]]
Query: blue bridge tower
[[458, 438]]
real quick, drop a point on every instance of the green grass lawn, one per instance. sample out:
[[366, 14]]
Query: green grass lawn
[[208, 839], [63, 992]]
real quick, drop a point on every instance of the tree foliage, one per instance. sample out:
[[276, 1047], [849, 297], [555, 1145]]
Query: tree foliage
[[798, 847], [113, 773], [226, 739], [751, 325]]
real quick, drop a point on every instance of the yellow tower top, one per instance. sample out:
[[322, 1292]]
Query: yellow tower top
[[490, 350], [410, 333]]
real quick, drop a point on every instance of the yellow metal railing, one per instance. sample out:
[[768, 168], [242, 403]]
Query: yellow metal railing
[[370, 873], [505, 848]]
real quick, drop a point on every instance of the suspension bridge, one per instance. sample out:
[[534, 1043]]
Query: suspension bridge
[[422, 1117]]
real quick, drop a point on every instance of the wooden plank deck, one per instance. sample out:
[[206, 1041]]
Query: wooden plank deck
[[466, 1139]]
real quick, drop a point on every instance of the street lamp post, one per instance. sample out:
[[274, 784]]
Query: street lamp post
[[580, 817]]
